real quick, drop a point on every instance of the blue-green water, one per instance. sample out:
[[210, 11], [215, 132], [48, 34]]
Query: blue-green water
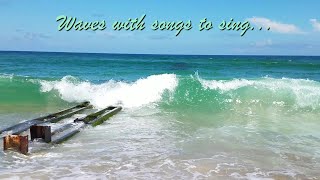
[[183, 116]]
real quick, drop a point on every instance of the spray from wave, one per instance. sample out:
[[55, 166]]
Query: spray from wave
[[139, 93]]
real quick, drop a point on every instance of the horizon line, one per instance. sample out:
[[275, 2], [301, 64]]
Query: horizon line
[[117, 53]]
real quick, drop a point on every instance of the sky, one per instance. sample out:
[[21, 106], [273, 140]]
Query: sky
[[294, 27]]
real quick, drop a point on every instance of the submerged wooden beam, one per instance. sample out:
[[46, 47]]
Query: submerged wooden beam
[[55, 117], [100, 116], [17, 143], [67, 134], [21, 127], [93, 116], [94, 119], [63, 112], [54, 120], [62, 128], [105, 116], [59, 135]]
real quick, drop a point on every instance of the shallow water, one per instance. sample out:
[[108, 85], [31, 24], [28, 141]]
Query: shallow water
[[219, 117]]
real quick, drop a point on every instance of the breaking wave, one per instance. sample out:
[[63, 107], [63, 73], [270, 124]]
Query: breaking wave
[[170, 90], [139, 93], [301, 92]]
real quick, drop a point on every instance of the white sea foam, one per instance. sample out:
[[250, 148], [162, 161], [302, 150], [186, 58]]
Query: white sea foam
[[6, 76], [225, 85], [139, 93]]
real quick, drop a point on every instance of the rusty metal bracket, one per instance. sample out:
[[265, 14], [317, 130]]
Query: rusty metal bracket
[[16, 142], [43, 132]]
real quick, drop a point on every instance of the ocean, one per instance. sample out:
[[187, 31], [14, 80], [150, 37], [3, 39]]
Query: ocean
[[183, 117]]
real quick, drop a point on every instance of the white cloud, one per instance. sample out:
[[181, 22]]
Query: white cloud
[[275, 26], [264, 43], [315, 24]]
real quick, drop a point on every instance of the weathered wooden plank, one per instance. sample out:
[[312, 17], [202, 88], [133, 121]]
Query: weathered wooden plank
[[62, 128], [93, 116], [103, 117], [54, 120], [68, 130], [59, 138], [55, 117], [19, 128], [60, 113]]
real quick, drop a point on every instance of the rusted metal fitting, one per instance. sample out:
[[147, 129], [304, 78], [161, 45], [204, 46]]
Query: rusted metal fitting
[[16, 142]]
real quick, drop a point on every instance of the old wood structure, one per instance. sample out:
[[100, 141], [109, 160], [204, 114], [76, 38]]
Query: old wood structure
[[41, 128]]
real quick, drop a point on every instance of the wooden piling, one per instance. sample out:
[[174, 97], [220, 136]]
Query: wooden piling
[[43, 132]]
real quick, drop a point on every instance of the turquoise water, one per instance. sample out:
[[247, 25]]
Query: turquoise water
[[184, 116]]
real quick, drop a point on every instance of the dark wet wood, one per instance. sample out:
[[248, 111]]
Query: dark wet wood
[[100, 115], [67, 134], [94, 119], [105, 116], [55, 117], [43, 132]]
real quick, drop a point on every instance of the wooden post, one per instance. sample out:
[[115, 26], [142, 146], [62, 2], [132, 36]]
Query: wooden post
[[16, 142], [43, 132]]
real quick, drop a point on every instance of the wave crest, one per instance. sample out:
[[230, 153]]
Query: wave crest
[[139, 93], [305, 93], [184, 92]]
